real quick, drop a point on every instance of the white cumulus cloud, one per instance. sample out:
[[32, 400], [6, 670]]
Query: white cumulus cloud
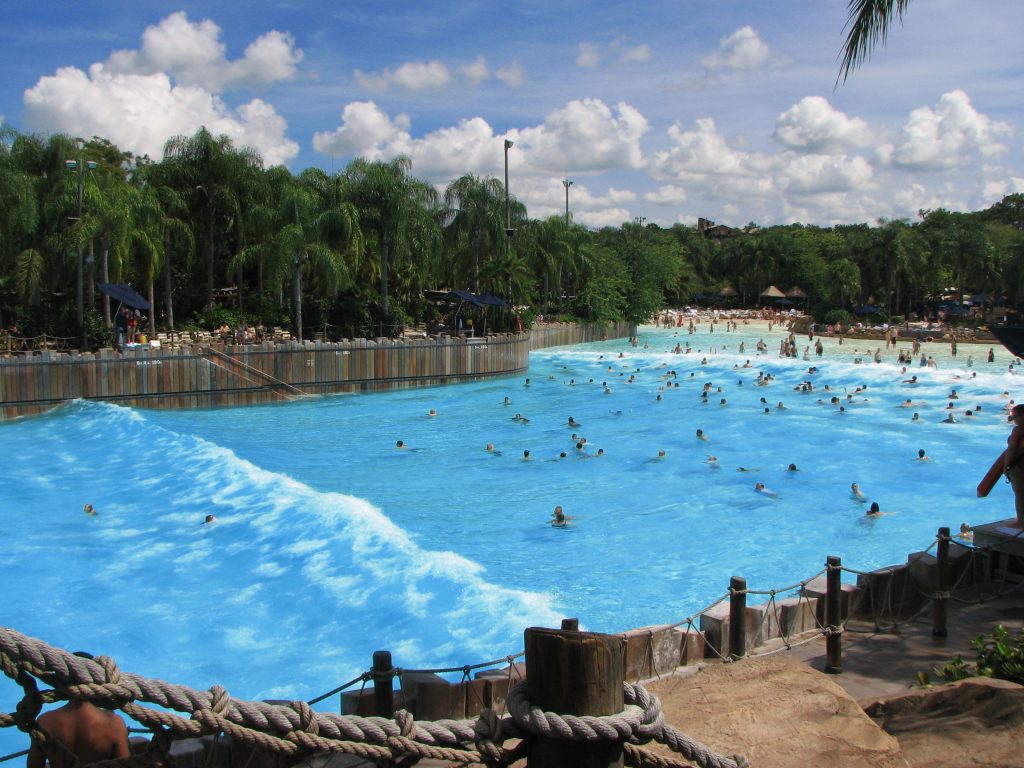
[[587, 135], [476, 72], [512, 75], [365, 130], [140, 112], [742, 50], [410, 76], [192, 53], [667, 194], [822, 174], [170, 86], [813, 125], [950, 136]]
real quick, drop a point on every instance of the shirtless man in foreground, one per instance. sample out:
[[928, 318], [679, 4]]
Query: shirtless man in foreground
[[91, 733], [1013, 461]]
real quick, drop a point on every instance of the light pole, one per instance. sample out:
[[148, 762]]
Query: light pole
[[566, 183], [508, 206], [80, 168], [508, 226]]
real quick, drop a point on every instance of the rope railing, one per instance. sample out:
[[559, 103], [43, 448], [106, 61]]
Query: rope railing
[[884, 600], [295, 730], [10, 343]]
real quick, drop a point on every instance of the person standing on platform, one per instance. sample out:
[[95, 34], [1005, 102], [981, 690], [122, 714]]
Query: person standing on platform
[[1012, 459]]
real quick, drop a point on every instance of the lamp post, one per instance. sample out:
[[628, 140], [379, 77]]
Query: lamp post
[[566, 183], [508, 205], [508, 224], [80, 167]]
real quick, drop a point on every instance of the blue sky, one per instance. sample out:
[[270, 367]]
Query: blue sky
[[666, 110]]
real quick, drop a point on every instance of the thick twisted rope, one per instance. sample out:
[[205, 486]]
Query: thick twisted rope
[[295, 728]]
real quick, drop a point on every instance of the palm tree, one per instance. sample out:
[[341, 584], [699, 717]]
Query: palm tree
[[475, 220], [868, 23], [211, 173], [303, 233], [392, 207]]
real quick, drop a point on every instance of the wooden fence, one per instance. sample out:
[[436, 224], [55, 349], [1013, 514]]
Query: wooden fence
[[210, 375]]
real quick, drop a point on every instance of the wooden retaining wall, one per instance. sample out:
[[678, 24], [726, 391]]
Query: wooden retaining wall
[[195, 376], [881, 597]]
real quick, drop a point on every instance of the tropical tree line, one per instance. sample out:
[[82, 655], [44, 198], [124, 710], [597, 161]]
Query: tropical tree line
[[207, 235]]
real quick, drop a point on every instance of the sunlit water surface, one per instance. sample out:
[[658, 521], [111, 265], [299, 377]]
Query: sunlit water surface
[[330, 543]]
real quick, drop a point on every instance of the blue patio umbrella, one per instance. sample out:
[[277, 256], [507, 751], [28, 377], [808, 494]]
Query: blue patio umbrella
[[124, 294]]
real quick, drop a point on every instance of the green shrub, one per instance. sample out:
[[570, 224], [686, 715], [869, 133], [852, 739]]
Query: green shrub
[[836, 315], [1000, 655]]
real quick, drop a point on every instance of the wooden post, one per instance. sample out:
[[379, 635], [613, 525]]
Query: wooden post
[[383, 686], [833, 618], [942, 584], [737, 617], [575, 673]]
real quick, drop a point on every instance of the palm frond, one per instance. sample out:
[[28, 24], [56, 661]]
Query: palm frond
[[868, 23]]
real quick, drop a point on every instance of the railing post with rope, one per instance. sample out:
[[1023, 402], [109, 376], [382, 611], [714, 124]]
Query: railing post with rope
[[942, 584], [833, 617], [737, 617], [383, 684], [575, 673]]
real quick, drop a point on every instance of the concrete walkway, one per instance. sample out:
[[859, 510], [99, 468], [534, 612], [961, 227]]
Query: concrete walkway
[[882, 664]]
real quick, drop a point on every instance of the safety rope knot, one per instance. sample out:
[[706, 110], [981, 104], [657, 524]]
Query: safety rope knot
[[406, 724], [219, 699], [31, 703], [111, 674], [307, 717]]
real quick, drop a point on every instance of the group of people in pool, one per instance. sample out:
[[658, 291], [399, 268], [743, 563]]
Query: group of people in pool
[[839, 397]]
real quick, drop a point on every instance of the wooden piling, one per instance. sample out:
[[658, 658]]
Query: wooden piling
[[833, 618], [737, 617], [383, 684], [942, 584], [574, 673]]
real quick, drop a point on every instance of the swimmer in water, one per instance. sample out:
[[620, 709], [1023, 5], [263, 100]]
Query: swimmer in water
[[507, 400], [87, 508], [712, 461], [759, 487], [792, 468], [209, 519], [431, 413], [572, 422], [701, 435], [874, 511], [558, 517], [400, 445], [526, 455], [921, 455], [855, 492]]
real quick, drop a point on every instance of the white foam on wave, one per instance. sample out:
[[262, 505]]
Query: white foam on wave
[[271, 526]]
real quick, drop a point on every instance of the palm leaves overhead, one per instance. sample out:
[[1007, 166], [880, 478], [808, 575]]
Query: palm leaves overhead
[[868, 23]]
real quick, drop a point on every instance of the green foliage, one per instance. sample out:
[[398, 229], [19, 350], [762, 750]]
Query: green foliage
[[97, 335], [999, 655], [208, 215], [836, 315]]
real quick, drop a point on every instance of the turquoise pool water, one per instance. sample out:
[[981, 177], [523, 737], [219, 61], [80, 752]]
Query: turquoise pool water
[[330, 543]]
